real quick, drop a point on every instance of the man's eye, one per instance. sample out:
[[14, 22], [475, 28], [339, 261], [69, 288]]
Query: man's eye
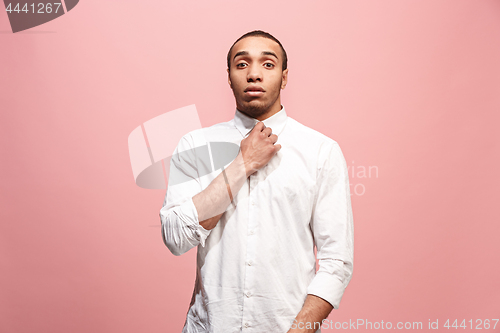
[[240, 64], [268, 63]]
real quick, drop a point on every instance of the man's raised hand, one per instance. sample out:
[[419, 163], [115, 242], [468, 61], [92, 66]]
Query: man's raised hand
[[258, 147]]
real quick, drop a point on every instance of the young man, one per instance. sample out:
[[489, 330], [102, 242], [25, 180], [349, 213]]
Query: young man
[[255, 222]]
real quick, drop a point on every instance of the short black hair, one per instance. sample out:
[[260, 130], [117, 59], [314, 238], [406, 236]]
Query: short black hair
[[259, 33]]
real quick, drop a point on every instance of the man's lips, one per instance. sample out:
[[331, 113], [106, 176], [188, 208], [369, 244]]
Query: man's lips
[[254, 91]]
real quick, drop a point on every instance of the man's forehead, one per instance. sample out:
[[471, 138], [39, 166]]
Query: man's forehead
[[256, 45]]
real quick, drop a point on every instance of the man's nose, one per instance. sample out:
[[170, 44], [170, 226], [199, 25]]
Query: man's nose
[[254, 74]]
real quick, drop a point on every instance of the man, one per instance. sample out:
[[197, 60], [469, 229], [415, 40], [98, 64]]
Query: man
[[255, 222]]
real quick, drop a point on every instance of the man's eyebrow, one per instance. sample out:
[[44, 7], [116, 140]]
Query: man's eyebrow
[[242, 53], [270, 53]]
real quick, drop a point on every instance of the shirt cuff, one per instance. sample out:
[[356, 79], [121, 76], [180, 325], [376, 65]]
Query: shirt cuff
[[188, 210], [328, 287]]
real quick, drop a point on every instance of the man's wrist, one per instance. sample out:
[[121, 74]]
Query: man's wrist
[[241, 165]]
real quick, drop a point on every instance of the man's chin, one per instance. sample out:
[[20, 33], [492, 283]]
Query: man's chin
[[254, 109]]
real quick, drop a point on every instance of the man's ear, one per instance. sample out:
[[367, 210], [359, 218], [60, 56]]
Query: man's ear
[[284, 78], [229, 78]]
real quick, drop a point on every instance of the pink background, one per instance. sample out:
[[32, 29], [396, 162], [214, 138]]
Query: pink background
[[411, 88]]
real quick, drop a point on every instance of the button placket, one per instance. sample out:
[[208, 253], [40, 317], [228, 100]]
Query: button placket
[[250, 253]]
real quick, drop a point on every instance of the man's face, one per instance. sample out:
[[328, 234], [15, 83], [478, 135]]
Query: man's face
[[256, 77]]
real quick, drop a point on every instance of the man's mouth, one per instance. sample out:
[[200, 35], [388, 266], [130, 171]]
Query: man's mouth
[[254, 91]]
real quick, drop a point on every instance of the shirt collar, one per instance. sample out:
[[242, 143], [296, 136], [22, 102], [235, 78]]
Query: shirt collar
[[245, 123]]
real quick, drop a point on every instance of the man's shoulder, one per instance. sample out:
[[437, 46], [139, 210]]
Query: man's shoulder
[[314, 142], [310, 134]]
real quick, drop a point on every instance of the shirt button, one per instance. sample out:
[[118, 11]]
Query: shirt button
[[246, 325], [248, 294], [251, 232], [249, 263]]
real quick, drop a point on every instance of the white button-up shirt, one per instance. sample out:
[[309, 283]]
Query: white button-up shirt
[[256, 267]]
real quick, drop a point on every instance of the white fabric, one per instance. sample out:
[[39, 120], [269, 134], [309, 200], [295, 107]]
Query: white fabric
[[256, 267]]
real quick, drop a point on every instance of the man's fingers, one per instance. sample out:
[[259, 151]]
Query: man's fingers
[[258, 127], [261, 125], [268, 131]]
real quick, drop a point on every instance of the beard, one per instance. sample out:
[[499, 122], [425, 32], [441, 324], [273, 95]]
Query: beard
[[255, 107]]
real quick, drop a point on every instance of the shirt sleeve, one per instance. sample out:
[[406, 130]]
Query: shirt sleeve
[[180, 227], [333, 230]]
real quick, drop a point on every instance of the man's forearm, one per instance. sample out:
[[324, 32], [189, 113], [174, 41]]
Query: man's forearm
[[212, 202], [309, 319]]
